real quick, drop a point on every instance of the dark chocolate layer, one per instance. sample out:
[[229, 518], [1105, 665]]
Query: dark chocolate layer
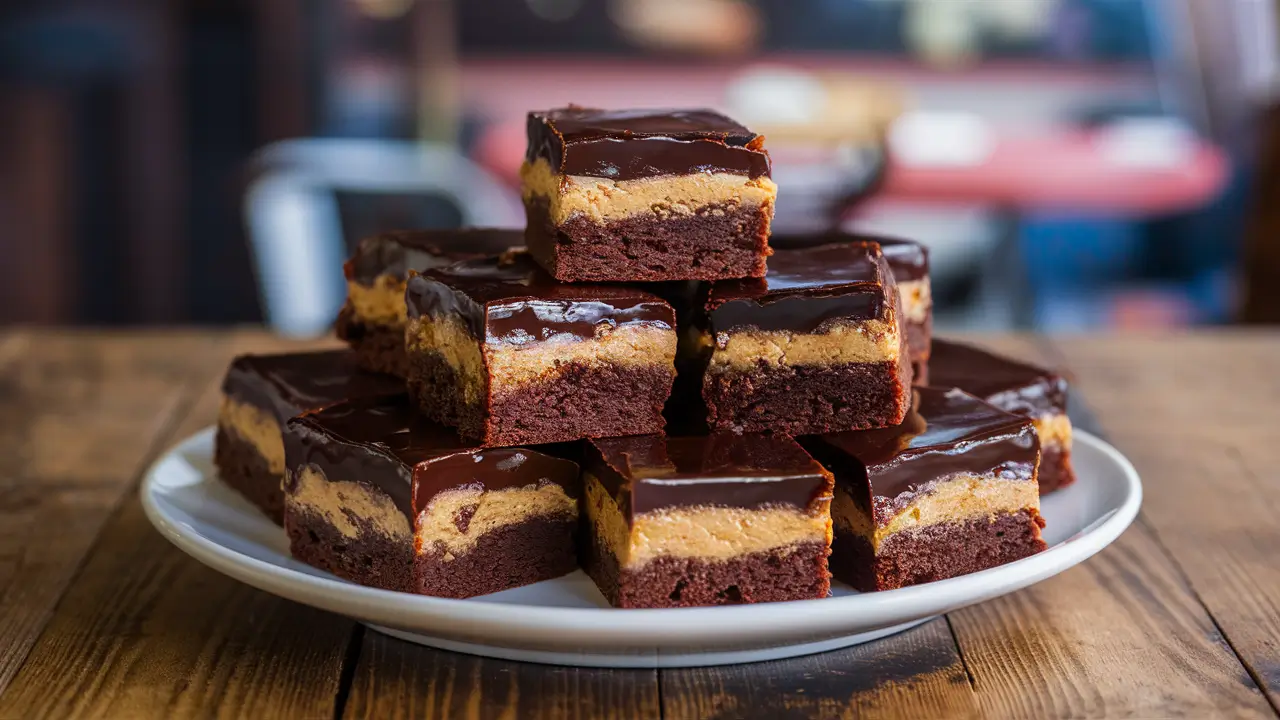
[[908, 259], [385, 444], [1008, 384], [651, 472], [633, 144], [288, 384], [512, 300], [947, 432], [397, 252], [807, 290]]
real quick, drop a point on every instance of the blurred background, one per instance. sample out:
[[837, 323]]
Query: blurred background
[[1072, 164]]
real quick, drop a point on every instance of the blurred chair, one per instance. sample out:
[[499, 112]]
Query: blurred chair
[[295, 225]]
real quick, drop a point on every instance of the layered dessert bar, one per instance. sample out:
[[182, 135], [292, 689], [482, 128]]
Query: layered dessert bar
[[815, 346], [645, 195], [261, 392], [950, 491], [909, 261], [509, 356], [372, 320], [1019, 388], [380, 496], [705, 520]]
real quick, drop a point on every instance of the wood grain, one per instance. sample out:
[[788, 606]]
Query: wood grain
[[916, 674], [78, 419], [1121, 635], [396, 679], [149, 631], [1213, 491]]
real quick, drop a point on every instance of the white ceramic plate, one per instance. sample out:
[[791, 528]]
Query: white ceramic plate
[[566, 621]]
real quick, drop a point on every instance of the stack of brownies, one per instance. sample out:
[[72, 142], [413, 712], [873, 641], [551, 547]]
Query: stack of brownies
[[640, 385]]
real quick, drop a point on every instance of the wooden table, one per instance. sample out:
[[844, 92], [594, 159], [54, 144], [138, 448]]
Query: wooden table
[[100, 617]]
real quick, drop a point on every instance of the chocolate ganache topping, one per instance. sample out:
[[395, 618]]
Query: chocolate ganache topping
[[634, 144], [291, 383], [807, 290], [651, 472], [908, 259], [397, 252], [512, 300], [384, 443], [1010, 385]]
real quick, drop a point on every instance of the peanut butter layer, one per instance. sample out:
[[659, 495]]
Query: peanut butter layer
[[510, 364], [256, 427], [917, 300], [958, 499], [342, 503], [702, 532], [455, 520], [871, 341], [602, 200], [1054, 430], [379, 304]]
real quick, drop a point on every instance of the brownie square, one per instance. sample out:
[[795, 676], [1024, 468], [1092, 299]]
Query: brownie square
[[645, 195], [950, 491], [1020, 388], [705, 520], [380, 496], [372, 319], [261, 392], [509, 356], [909, 261], [815, 346]]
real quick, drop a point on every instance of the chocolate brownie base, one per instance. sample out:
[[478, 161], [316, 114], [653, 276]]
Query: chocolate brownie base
[[372, 558], [793, 573], [246, 471], [807, 400], [540, 548], [935, 552], [1055, 469], [378, 348], [580, 402], [715, 243]]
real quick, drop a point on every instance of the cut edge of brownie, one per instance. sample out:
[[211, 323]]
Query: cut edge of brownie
[[244, 470]]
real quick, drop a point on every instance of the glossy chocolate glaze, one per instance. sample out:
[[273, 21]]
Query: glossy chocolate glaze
[[384, 443], [397, 252], [1008, 384], [651, 472], [948, 432], [633, 144], [512, 300], [807, 290], [908, 259], [291, 383]]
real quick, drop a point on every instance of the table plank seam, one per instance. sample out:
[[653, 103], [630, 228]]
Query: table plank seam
[[964, 662], [347, 673]]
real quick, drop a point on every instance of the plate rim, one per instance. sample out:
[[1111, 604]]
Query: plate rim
[[646, 627]]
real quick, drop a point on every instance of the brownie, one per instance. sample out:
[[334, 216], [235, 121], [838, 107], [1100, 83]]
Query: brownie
[[909, 261], [646, 195], [372, 319], [383, 497], [949, 491], [261, 392], [509, 356], [817, 345], [705, 520], [1015, 387]]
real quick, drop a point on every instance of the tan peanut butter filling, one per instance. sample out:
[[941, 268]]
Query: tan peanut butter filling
[[871, 341], [701, 532], [601, 200], [957, 499], [379, 304], [917, 300], [339, 502], [509, 364], [257, 427], [1054, 430], [444, 528]]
